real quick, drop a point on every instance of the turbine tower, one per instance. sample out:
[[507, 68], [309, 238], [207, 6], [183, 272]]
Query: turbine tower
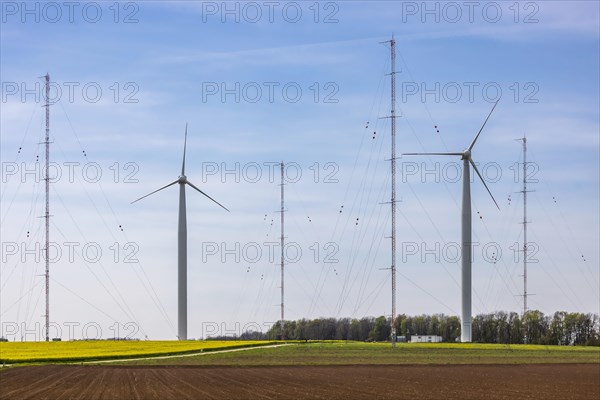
[[182, 245], [465, 333]]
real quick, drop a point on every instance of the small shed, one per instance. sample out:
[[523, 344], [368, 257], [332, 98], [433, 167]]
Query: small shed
[[425, 339]]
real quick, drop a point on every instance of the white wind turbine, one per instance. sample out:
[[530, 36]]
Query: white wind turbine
[[182, 245], [466, 253]]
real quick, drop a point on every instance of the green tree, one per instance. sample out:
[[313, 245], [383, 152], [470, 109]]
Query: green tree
[[556, 331], [381, 330], [354, 331], [503, 327], [419, 326], [562, 328], [342, 329], [301, 332], [515, 328], [401, 325], [452, 330], [365, 327], [434, 325], [535, 326]]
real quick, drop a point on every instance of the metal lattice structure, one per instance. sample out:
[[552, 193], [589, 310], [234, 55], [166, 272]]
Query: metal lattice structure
[[525, 222], [393, 200], [47, 214], [282, 255]]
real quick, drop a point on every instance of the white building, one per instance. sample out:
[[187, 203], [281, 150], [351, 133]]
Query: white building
[[425, 339]]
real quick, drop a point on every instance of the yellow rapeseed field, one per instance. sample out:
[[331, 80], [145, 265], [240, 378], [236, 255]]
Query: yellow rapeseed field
[[20, 352]]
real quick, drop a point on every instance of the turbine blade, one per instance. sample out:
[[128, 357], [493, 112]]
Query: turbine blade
[[192, 185], [157, 190], [184, 146], [485, 122], [484, 184], [432, 154]]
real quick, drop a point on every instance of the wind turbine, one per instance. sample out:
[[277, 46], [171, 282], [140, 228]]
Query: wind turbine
[[465, 335], [182, 245]]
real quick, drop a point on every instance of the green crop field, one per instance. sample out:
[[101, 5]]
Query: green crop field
[[354, 353], [43, 352], [294, 353]]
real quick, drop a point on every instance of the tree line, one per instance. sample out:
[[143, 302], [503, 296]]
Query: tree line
[[561, 328]]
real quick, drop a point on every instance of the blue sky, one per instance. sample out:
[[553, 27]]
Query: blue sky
[[164, 64]]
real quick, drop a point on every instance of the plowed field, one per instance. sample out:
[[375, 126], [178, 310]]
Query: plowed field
[[533, 381]]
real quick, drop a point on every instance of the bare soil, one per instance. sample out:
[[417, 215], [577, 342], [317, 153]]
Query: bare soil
[[489, 382]]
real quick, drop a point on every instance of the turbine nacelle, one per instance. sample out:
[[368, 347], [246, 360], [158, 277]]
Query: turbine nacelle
[[182, 179], [466, 155]]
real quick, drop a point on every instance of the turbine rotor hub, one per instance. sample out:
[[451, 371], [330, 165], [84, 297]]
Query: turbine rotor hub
[[182, 179], [466, 155]]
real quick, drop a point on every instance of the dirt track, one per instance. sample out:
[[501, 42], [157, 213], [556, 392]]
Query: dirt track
[[559, 381]]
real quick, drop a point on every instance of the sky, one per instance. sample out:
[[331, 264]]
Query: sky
[[305, 83]]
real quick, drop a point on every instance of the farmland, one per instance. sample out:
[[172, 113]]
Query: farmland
[[295, 353], [40, 352], [355, 353], [332, 370], [533, 381]]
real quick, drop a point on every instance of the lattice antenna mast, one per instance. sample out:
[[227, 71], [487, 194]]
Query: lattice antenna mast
[[525, 222], [526, 294], [282, 253], [393, 117], [47, 215]]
